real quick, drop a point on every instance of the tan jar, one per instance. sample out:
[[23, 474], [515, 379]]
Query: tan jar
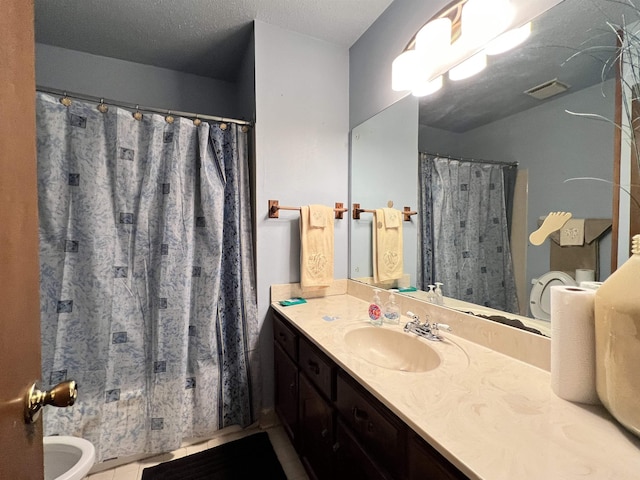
[[617, 321]]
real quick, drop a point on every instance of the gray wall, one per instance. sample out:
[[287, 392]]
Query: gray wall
[[302, 129], [384, 166], [554, 146], [371, 56], [134, 83]]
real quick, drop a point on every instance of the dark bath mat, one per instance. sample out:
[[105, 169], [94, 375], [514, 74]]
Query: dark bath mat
[[248, 458]]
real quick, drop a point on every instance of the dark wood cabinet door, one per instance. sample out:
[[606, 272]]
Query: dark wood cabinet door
[[316, 432], [426, 462], [351, 462], [377, 429], [286, 394]]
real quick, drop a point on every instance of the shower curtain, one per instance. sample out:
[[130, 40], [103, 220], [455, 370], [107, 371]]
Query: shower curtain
[[464, 238], [147, 280]]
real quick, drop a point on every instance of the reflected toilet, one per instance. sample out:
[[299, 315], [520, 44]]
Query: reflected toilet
[[540, 300]]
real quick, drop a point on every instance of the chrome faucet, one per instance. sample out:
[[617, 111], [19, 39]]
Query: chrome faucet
[[430, 331]]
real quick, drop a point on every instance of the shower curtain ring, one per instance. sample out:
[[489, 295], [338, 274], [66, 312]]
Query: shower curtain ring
[[102, 108], [65, 100], [169, 118], [197, 121], [137, 114], [223, 126]]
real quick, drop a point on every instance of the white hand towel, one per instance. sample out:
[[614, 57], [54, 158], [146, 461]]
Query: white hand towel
[[387, 249], [316, 247], [392, 218], [318, 216], [572, 233]]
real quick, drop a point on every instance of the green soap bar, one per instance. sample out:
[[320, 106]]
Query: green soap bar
[[408, 289], [292, 301]]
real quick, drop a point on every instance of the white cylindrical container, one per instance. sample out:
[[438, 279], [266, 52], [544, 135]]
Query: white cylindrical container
[[590, 285], [573, 364], [585, 275]]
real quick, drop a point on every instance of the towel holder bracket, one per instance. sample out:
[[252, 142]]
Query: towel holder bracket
[[275, 207], [356, 211]]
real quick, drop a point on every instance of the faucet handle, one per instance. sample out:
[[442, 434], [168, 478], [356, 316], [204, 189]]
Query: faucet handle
[[413, 317], [441, 326]]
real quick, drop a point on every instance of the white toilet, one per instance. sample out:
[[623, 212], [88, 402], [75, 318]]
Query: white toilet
[[67, 458], [540, 299]]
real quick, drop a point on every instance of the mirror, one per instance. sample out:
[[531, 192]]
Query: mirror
[[489, 117]]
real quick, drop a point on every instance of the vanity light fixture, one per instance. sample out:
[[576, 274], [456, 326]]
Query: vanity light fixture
[[459, 38], [469, 67], [508, 40]]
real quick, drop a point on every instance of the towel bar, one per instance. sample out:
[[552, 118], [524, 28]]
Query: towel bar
[[355, 213], [275, 207]]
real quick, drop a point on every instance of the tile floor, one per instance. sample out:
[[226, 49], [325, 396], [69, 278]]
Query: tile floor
[[279, 439]]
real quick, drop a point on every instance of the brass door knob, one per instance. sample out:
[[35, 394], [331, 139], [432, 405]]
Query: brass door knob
[[62, 395]]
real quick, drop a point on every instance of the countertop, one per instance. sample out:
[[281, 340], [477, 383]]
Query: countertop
[[490, 415]]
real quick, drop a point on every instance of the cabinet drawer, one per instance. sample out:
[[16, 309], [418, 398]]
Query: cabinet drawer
[[379, 431], [285, 337], [318, 368]]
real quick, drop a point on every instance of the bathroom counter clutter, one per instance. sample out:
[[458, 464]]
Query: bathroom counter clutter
[[491, 416]]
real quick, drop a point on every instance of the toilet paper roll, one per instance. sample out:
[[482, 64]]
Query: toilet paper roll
[[573, 364], [585, 275], [590, 285]]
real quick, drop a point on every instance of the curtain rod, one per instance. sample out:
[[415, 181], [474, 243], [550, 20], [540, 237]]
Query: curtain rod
[[471, 160], [133, 106]]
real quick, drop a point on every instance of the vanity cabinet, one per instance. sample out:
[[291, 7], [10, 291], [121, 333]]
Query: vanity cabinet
[[339, 429], [286, 379], [317, 435]]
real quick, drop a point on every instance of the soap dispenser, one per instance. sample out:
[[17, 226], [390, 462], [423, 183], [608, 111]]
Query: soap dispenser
[[431, 294], [375, 309], [392, 310], [438, 294]]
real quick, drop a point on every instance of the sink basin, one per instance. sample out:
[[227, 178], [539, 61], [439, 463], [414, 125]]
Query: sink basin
[[67, 458], [393, 350]]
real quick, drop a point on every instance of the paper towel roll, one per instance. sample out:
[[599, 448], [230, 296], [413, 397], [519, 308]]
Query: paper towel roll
[[590, 285], [584, 275], [573, 364]]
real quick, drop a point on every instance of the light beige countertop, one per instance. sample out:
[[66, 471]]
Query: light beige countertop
[[492, 416]]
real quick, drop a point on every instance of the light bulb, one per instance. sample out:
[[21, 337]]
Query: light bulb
[[434, 37], [427, 88], [482, 20], [404, 71], [508, 40], [469, 67]]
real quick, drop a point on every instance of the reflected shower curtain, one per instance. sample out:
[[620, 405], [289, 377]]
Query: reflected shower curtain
[[147, 279], [464, 238]]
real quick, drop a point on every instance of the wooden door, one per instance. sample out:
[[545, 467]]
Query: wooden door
[[20, 444]]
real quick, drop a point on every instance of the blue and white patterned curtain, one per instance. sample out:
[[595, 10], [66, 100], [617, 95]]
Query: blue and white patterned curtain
[[147, 280], [464, 238]]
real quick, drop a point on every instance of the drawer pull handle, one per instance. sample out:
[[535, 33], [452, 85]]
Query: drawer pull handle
[[324, 433], [336, 447], [292, 386], [360, 415], [314, 367]]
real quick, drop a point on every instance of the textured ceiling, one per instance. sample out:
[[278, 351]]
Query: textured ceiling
[[497, 92], [204, 37]]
